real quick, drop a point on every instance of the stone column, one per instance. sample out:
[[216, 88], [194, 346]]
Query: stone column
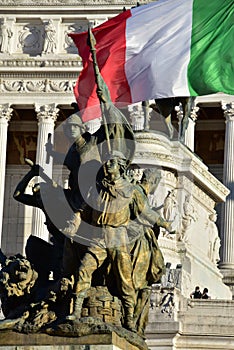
[[190, 131], [5, 116], [46, 115], [180, 114], [228, 180]]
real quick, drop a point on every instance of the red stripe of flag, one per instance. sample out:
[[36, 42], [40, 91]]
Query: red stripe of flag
[[111, 54]]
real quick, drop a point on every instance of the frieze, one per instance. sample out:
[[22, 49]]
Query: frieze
[[169, 175], [38, 75], [18, 3], [41, 63], [198, 193], [156, 156], [151, 138], [210, 178], [39, 86], [204, 198], [186, 183]]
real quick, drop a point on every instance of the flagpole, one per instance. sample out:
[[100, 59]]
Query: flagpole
[[92, 43]]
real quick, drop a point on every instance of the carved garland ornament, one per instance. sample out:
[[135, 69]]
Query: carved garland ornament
[[41, 86]]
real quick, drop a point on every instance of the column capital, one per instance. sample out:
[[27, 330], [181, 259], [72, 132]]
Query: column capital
[[179, 112], [228, 109], [5, 113], [193, 113], [137, 117], [47, 113]]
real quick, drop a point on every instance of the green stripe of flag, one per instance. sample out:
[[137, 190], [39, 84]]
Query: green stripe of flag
[[211, 67]]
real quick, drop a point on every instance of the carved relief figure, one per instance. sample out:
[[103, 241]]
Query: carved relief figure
[[5, 36], [171, 210], [189, 216], [213, 237], [50, 36]]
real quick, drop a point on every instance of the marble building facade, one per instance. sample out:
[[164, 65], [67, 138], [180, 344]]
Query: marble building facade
[[39, 65]]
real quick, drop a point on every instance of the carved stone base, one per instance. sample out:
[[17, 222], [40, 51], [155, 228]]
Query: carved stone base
[[10, 340], [93, 328]]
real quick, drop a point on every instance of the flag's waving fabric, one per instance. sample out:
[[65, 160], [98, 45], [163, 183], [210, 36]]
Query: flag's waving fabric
[[163, 49]]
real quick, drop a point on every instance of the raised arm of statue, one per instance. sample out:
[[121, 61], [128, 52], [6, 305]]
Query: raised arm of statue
[[19, 193]]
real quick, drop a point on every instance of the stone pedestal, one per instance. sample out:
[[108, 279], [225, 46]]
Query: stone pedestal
[[186, 195], [16, 341]]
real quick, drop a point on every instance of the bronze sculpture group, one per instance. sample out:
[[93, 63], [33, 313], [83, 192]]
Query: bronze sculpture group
[[107, 239]]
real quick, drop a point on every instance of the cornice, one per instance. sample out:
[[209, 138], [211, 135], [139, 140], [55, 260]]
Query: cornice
[[41, 63], [79, 3], [156, 149]]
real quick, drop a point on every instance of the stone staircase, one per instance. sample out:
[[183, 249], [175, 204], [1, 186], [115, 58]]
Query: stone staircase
[[192, 325]]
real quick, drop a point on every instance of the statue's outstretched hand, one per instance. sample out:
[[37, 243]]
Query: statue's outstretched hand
[[167, 225]]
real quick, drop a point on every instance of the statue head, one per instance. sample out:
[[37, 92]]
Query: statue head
[[17, 277], [150, 180], [115, 164], [74, 127]]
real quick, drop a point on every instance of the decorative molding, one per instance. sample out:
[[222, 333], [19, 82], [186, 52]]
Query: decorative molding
[[47, 113], [18, 3], [211, 179], [5, 113], [42, 86], [57, 63], [190, 187], [156, 156]]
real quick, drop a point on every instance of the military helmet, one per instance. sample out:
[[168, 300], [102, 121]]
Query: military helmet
[[74, 119]]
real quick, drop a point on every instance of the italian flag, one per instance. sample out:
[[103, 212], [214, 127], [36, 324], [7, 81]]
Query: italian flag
[[163, 49]]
